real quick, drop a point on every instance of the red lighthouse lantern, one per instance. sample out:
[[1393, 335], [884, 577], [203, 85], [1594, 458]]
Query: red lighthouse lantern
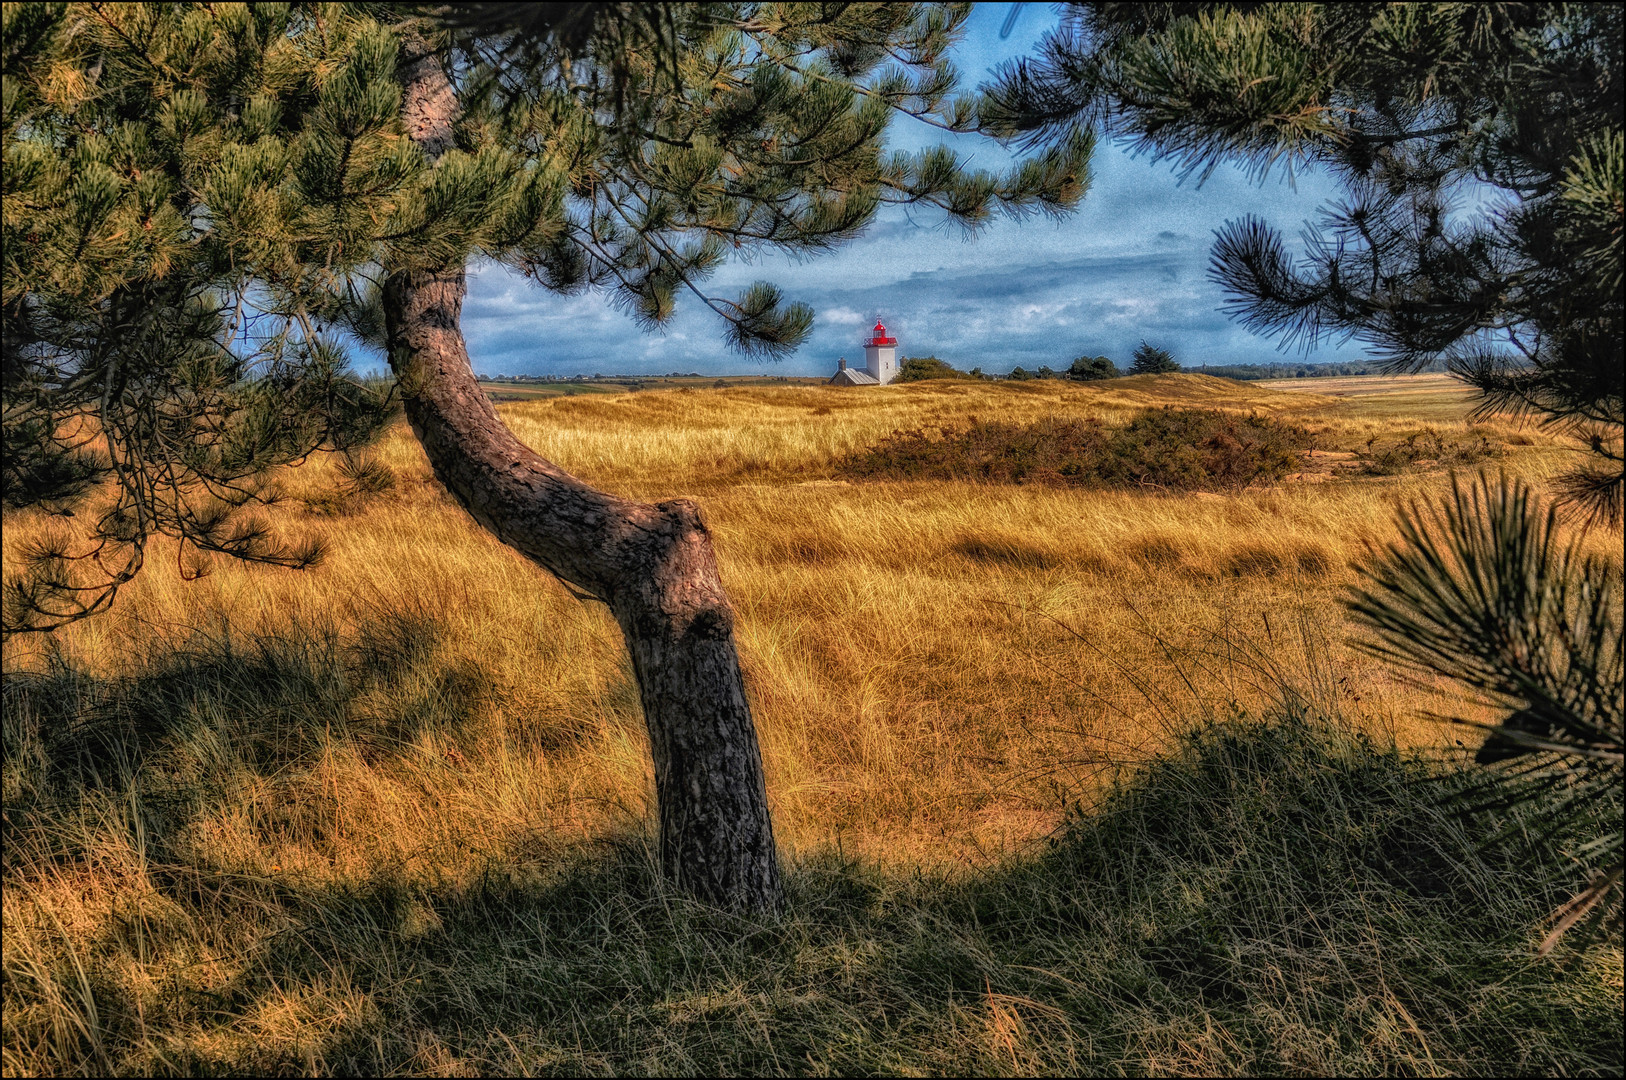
[[878, 337]]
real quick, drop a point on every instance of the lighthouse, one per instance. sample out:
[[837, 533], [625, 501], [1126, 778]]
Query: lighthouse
[[880, 361], [881, 354]]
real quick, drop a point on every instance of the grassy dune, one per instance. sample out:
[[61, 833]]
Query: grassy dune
[[391, 814]]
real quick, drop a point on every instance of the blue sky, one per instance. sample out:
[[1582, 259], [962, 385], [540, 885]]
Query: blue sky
[[1128, 265]]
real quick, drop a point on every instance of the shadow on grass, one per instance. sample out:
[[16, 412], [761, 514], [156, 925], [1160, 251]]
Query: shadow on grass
[[1271, 897], [274, 697]]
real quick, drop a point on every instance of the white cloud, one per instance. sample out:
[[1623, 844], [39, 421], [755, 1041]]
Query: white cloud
[[1131, 263]]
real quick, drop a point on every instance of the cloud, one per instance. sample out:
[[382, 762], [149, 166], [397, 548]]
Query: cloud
[[1130, 264], [995, 315]]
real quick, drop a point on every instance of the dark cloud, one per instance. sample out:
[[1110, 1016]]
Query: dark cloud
[[1130, 264], [992, 315]]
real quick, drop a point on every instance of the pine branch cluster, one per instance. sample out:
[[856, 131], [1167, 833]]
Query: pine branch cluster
[[201, 202], [1479, 147], [1485, 591], [1480, 151], [686, 132], [158, 360]]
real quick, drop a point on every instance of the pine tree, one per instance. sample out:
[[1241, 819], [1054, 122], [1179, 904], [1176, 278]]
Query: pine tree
[[1150, 360], [202, 200], [1411, 107], [133, 351], [1408, 106]]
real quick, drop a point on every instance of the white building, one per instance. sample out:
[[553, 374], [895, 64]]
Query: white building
[[880, 362]]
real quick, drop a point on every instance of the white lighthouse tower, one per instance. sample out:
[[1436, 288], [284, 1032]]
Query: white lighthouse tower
[[880, 361], [881, 355]]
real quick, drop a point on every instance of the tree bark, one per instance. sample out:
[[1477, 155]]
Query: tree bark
[[653, 565]]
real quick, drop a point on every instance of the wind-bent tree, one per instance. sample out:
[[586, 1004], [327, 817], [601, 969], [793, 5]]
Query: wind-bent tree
[[198, 198], [1480, 148]]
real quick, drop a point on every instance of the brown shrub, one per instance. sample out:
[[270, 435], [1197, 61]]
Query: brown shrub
[[1182, 449], [1425, 447]]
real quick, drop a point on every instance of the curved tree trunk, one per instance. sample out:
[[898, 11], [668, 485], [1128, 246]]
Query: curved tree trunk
[[652, 564]]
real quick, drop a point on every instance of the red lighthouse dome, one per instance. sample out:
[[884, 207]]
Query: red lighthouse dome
[[878, 336]]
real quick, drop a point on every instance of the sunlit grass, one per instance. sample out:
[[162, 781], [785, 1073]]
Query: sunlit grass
[[427, 728]]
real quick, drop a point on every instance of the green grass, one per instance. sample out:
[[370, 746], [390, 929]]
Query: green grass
[[1272, 896]]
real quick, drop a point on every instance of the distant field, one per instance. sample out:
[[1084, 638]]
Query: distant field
[[392, 812], [1403, 397], [528, 391], [1367, 385]]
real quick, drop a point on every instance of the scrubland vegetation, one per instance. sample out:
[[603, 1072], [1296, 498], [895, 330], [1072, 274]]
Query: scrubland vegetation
[[1171, 449], [1068, 779]]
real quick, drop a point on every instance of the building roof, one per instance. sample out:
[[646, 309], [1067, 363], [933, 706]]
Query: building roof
[[853, 377]]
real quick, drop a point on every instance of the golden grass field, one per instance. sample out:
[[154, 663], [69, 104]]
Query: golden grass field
[[910, 646], [936, 668]]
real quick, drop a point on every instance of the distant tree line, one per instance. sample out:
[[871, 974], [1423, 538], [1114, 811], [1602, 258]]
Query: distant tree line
[[1147, 360], [1280, 370]]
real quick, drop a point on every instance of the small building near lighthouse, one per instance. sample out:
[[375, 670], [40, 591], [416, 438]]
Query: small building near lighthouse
[[880, 361]]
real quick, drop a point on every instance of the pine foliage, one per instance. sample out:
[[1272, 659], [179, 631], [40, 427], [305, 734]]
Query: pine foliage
[[159, 224], [1480, 150], [688, 131], [200, 202], [1485, 591], [1150, 360]]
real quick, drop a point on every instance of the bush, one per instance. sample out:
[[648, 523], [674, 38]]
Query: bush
[[919, 368], [1200, 448], [1186, 449], [1426, 447], [1090, 368], [1152, 361]]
